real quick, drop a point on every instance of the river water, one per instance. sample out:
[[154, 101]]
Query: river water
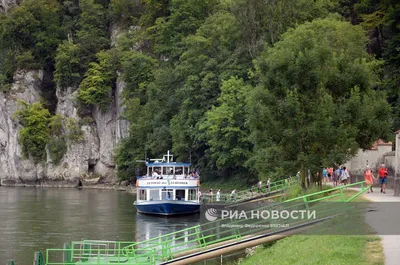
[[34, 219]]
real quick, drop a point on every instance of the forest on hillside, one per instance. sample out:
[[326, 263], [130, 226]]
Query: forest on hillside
[[244, 89]]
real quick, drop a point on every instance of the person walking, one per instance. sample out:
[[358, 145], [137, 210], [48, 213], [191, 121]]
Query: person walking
[[259, 186], [269, 185], [369, 177], [324, 175], [383, 173], [211, 195], [218, 195], [336, 177], [344, 177]]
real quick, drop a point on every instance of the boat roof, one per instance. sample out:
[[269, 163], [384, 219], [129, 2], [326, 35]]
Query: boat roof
[[166, 164]]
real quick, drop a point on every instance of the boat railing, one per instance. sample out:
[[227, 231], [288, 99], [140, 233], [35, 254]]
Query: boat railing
[[168, 177]]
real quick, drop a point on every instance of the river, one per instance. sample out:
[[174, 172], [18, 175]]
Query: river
[[34, 219]]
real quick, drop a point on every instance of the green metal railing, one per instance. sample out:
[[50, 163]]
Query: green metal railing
[[228, 198], [222, 231]]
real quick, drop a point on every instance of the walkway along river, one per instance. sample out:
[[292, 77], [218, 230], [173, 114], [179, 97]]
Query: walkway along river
[[33, 219]]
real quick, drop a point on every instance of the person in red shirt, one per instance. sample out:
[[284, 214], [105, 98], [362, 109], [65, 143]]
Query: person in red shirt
[[383, 172]]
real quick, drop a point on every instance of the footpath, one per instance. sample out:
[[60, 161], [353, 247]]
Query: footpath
[[385, 220]]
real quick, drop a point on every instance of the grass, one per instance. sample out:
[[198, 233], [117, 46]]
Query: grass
[[340, 241]]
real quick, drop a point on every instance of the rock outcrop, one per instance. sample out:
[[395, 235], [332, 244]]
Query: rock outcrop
[[91, 159], [5, 5], [13, 167]]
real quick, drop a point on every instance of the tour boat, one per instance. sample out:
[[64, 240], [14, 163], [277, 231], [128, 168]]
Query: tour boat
[[168, 188]]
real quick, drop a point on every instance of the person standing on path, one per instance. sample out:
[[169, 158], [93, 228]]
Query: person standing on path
[[259, 186], [383, 173], [218, 195], [233, 195], [369, 177], [211, 195]]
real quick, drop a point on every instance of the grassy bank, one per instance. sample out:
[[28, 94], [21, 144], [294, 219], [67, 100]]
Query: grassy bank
[[332, 244]]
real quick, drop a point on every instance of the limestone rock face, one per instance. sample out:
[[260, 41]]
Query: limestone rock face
[[88, 159], [13, 166], [5, 5]]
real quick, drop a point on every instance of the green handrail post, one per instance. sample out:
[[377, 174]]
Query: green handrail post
[[342, 194], [38, 258], [86, 252], [11, 262], [67, 254]]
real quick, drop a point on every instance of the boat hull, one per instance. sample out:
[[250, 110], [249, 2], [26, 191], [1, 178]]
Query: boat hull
[[167, 207]]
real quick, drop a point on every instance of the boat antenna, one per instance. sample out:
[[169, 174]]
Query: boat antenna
[[168, 156], [145, 158]]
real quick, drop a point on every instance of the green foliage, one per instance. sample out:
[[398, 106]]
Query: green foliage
[[33, 27], [138, 73], [26, 61], [67, 72], [224, 126], [125, 12], [35, 133], [56, 124], [314, 104], [57, 149], [92, 33], [96, 87], [74, 131], [186, 16]]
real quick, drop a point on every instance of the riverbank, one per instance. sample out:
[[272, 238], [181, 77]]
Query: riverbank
[[96, 183], [331, 243]]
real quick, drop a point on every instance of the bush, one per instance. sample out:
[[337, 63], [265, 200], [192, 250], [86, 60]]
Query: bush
[[57, 149], [27, 61], [67, 65], [36, 131], [75, 133]]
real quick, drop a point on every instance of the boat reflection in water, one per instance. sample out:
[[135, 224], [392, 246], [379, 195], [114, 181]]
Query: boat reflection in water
[[151, 226]]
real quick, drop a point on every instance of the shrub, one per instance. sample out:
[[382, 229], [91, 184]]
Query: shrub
[[67, 65], [75, 133], [57, 149], [36, 131]]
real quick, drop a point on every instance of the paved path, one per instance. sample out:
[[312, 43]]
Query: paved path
[[384, 220]]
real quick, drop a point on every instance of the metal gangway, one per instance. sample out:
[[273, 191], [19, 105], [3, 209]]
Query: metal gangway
[[274, 188], [211, 239]]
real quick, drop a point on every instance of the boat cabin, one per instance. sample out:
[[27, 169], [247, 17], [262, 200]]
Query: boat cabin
[[166, 180]]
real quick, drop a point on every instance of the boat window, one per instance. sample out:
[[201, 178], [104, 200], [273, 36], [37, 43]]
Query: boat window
[[167, 194], [192, 194], [180, 195], [178, 170], [186, 171], [154, 195], [149, 171], [142, 194], [156, 171], [168, 170]]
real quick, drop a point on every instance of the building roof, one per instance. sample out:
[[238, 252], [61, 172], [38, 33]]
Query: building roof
[[379, 142]]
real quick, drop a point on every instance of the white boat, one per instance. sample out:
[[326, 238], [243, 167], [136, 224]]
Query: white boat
[[168, 188]]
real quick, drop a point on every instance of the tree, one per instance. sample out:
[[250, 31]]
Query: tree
[[225, 131], [315, 105], [92, 34], [67, 72], [96, 87], [35, 133]]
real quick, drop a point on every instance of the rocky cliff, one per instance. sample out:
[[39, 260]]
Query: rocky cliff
[[90, 160], [6, 4]]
